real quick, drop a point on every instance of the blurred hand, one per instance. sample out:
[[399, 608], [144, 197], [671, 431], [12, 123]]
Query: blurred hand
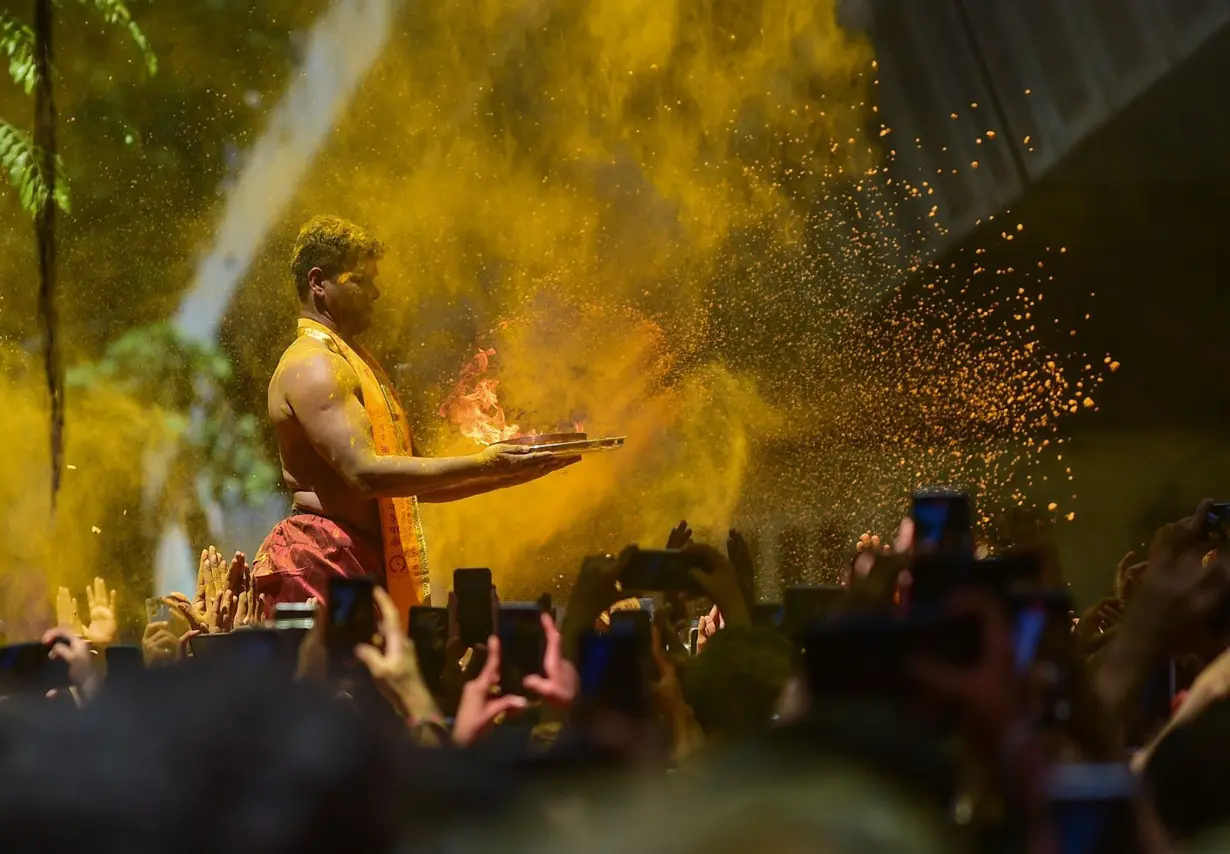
[[159, 644], [707, 626], [720, 581], [986, 692], [66, 611], [103, 625], [1128, 575], [1183, 583], [740, 556], [596, 590], [71, 649], [395, 665], [668, 693], [679, 536], [560, 684], [481, 703], [313, 661], [1096, 626]]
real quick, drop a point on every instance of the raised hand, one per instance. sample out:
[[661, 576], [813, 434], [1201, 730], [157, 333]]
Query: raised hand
[[679, 536], [720, 581], [66, 611], [103, 625], [560, 684], [159, 644], [481, 703], [395, 665], [740, 555]]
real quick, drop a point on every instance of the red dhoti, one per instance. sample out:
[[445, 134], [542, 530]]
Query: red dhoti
[[304, 551]]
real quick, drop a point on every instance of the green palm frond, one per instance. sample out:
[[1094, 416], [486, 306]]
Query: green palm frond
[[19, 157], [115, 12], [17, 43]]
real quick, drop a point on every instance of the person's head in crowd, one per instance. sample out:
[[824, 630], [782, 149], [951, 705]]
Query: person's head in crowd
[[734, 686], [749, 808], [187, 760], [1187, 773]]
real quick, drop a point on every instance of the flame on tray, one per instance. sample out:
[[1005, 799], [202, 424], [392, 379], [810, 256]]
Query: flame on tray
[[474, 406]]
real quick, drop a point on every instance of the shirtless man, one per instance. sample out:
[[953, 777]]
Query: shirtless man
[[345, 442]]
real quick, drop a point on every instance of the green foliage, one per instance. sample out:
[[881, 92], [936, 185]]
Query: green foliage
[[23, 162], [157, 366], [18, 155], [116, 13], [17, 43]]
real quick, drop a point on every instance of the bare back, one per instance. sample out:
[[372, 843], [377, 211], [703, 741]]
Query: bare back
[[313, 381]]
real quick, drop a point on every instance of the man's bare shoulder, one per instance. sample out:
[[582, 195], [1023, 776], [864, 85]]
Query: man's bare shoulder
[[311, 370]]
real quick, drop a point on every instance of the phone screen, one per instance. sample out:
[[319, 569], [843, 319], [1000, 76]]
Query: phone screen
[[1217, 522], [1093, 808], [942, 523], [474, 620], [428, 630], [804, 605], [352, 620], [612, 674], [523, 642]]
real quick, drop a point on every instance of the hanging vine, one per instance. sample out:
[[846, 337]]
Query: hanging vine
[[45, 233]]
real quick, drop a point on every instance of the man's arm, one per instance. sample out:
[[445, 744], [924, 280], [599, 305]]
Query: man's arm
[[323, 392], [491, 483]]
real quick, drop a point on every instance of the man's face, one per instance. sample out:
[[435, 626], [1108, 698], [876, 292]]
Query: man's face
[[351, 296]]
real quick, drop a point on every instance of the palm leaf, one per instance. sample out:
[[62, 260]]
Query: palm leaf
[[17, 43], [19, 157], [115, 12]]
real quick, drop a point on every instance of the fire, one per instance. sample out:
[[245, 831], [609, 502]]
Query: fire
[[474, 406]]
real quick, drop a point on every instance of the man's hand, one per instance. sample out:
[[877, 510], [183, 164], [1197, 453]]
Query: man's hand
[[395, 667], [66, 611], [1181, 586], [560, 684], [720, 581], [740, 555], [481, 703], [1096, 626], [517, 460], [159, 644], [679, 536], [103, 625], [71, 649], [595, 590]]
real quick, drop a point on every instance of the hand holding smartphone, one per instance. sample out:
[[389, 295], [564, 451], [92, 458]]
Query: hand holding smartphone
[[943, 523]]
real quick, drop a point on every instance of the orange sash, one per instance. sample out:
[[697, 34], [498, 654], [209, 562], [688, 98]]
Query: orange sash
[[405, 550]]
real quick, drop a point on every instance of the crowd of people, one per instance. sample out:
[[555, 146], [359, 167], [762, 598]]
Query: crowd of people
[[930, 703]]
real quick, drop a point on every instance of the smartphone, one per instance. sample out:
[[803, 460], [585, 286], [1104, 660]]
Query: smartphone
[[523, 642], [693, 639], [1217, 521], [1093, 808], [351, 620], [124, 663], [26, 668], [473, 590], [613, 676], [937, 576], [1040, 623], [246, 646], [158, 611], [294, 615], [427, 628], [942, 522], [869, 655], [768, 615], [662, 571], [803, 605]]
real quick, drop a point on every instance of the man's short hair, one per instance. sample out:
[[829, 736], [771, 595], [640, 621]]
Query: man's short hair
[[334, 245]]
